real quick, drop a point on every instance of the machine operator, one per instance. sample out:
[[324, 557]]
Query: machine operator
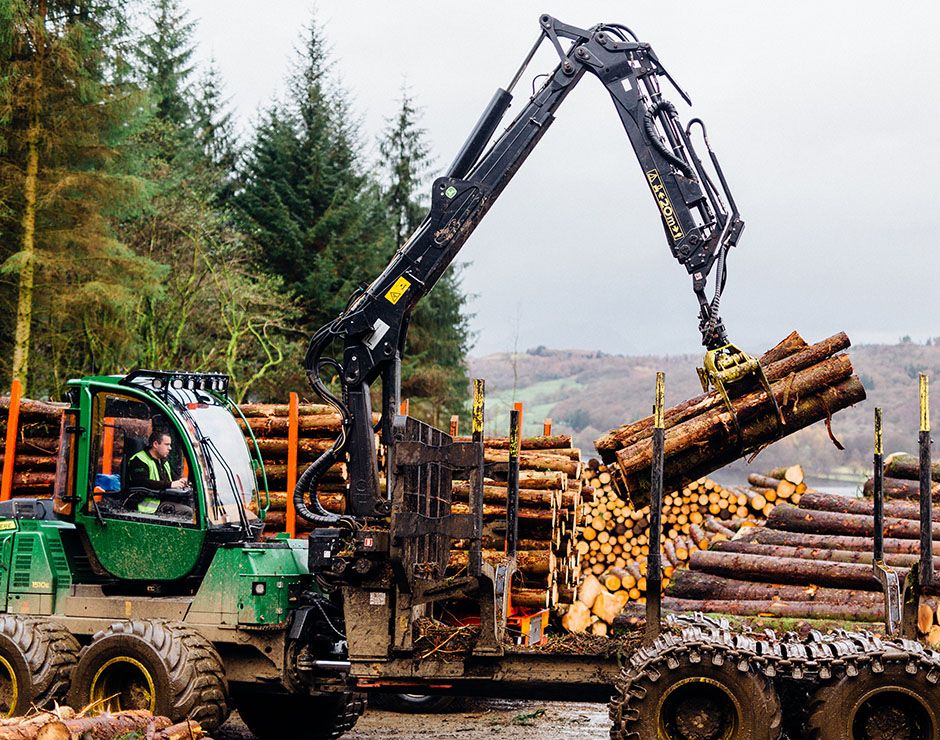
[[150, 469]]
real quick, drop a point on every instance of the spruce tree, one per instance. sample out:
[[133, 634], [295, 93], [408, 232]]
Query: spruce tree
[[165, 57], [434, 373], [304, 198]]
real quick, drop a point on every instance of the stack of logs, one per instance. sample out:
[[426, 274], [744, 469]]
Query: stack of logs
[[613, 542], [37, 444], [902, 478], [809, 384], [318, 426], [549, 497], [550, 491], [812, 561]]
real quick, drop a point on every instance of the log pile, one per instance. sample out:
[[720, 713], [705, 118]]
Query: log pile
[[37, 444], [65, 724], [811, 561], [612, 545], [550, 494], [809, 383]]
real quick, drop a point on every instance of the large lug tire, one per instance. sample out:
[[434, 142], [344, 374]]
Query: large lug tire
[[896, 700], [676, 690], [276, 716], [36, 661], [414, 703], [165, 667]]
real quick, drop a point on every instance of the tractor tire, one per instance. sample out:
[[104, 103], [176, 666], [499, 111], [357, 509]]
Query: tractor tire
[[37, 657], [675, 690], [277, 716], [165, 667], [897, 703]]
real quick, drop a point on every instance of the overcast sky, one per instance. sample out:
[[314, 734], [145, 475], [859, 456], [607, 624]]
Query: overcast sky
[[824, 115]]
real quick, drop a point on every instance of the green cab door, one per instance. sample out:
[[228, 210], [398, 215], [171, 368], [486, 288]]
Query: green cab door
[[139, 528]]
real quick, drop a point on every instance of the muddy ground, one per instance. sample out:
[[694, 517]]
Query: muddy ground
[[478, 719]]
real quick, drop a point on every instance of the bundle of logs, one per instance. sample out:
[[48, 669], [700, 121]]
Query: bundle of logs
[[37, 444], [811, 561], [809, 383], [65, 724], [902, 478]]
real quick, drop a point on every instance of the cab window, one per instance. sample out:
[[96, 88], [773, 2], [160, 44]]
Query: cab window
[[138, 465]]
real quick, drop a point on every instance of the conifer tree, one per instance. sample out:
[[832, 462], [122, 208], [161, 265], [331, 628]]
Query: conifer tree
[[64, 170], [166, 60], [434, 373], [304, 198]]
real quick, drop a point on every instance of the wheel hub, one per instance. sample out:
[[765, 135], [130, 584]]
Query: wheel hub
[[123, 683], [891, 713], [698, 709]]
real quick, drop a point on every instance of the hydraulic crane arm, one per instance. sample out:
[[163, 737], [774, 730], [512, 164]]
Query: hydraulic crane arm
[[700, 229]]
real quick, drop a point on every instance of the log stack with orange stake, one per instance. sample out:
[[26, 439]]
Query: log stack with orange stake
[[31, 432]]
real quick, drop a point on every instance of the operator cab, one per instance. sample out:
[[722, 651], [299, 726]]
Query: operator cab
[[155, 473]]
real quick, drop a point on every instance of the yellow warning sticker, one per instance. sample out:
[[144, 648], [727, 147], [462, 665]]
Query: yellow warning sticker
[[399, 289], [7, 524]]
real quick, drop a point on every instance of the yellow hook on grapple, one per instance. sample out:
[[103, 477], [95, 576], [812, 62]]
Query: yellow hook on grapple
[[728, 366]]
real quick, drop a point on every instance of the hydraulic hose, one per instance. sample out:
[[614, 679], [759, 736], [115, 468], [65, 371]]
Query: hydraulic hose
[[649, 122], [307, 484]]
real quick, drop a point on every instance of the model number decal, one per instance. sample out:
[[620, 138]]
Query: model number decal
[[665, 205]]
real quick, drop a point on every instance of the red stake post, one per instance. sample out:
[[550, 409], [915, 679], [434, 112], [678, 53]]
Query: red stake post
[[9, 449]]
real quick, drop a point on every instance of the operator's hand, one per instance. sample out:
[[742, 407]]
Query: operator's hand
[[179, 484]]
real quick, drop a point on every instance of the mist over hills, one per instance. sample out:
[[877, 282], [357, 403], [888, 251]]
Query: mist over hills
[[586, 393]]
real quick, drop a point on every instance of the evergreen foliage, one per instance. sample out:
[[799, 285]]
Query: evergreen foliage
[[434, 373], [134, 230], [65, 171]]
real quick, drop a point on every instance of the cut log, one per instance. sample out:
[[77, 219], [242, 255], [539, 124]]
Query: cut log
[[269, 410], [815, 553], [901, 488], [902, 465], [783, 570], [577, 618], [763, 481], [693, 584], [842, 542], [526, 443], [793, 610], [536, 461], [528, 562], [925, 615], [793, 473], [844, 504], [794, 519]]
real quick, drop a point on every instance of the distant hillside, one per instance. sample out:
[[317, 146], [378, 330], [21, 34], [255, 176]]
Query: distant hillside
[[586, 393]]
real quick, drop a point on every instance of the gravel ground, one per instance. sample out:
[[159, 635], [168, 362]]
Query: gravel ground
[[479, 719]]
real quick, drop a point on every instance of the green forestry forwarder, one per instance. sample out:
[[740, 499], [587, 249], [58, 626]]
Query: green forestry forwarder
[[126, 595]]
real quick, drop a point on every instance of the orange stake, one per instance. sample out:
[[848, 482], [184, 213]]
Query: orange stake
[[547, 428], [107, 446], [403, 407], [454, 425], [9, 450], [518, 407], [292, 423]]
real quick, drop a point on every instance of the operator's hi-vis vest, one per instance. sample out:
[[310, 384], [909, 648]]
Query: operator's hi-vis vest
[[149, 505]]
